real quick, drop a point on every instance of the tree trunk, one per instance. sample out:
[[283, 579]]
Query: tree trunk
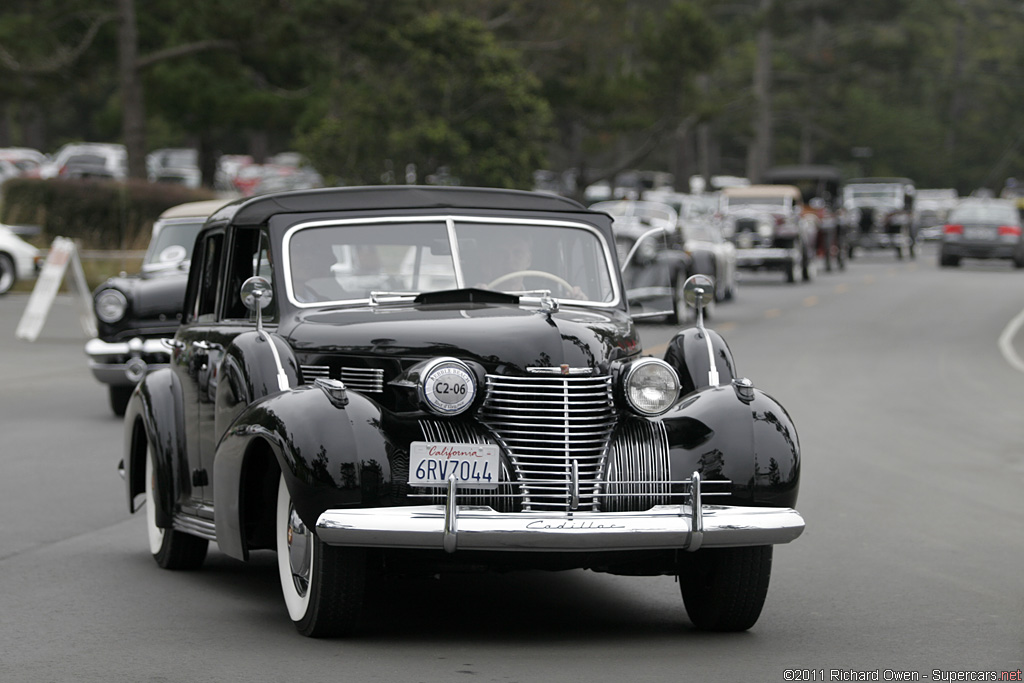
[[133, 111], [760, 153]]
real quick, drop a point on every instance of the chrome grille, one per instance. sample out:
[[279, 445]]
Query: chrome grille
[[367, 380], [638, 468], [314, 372], [455, 432], [546, 423]]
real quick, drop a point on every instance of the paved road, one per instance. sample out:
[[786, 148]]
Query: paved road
[[910, 419]]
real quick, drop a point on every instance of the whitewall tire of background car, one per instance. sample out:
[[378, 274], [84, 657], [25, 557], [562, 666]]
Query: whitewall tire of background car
[[8, 273], [323, 586], [171, 549]]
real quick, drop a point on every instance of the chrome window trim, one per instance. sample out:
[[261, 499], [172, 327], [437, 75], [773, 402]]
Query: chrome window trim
[[449, 221]]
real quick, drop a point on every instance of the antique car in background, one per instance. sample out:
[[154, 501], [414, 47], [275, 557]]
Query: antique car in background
[[770, 229], [136, 314], [652, 255], [710, 253], [19, 260], [821, 189], [931, 207], [879, 214], [982, 229], [509, 421]]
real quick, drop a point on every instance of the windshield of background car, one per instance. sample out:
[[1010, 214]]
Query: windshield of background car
[[993, 213], [172, 244], [887, 194], [780, 202], [359, 260]]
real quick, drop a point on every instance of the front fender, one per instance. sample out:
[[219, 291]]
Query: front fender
[[256, 364], [153, 417], [688, 354], [737, 433], [333, 455]]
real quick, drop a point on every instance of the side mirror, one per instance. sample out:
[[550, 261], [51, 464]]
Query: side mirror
[[256, 295], [699, 291]]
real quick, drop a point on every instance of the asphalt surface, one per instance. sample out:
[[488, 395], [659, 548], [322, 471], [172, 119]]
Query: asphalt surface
[[909, 411]]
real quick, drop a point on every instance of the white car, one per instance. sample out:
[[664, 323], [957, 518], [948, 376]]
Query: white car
[[19, 260], [87, 159]]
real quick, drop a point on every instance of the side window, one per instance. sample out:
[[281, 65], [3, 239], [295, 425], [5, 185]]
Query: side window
[[250, 255], [206, 296]]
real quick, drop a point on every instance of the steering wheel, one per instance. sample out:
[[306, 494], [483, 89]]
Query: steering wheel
[[529, 273]]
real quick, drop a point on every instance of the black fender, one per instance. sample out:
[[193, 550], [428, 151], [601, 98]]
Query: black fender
[[688, 354], [736, 432], [154, 417], [257, 363], [332, 451]]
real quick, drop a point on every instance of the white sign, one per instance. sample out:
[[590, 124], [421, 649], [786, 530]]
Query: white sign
[[63, 254]]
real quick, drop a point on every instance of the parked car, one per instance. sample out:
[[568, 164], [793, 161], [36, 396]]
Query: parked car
[[983, 229], [821, 188], [88, 160], [417, 431], [652, 257], [879, 214], [19, 260], [27, 160], [179, 166], [136, 314], [770, 229]]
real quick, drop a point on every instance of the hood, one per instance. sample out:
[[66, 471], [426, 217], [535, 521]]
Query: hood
[[491, 334], [153, 292]]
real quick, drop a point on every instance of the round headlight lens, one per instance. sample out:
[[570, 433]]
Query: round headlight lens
[[111, 305], [447, 386], [651, 386]]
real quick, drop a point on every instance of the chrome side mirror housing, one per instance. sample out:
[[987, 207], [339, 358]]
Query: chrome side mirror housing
[[256, 295], [699, 291]]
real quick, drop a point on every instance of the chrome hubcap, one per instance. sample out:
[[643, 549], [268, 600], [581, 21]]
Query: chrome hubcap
[[299, 552]]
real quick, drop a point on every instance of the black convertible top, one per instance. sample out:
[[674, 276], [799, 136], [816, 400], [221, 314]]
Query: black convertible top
[[256, 210]]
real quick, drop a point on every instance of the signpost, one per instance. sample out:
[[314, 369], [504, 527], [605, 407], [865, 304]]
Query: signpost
[[63, 253]]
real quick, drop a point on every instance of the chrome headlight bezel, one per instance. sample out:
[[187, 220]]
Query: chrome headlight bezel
[[110, 305], [655, 378], [447, 386]]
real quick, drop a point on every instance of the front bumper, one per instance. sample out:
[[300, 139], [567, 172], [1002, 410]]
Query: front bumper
[[451, 527], [761, 257], [125, 363]]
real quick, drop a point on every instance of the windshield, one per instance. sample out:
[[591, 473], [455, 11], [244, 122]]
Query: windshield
[[172, 243], [1002, 213], [892, 194], [357, 262], [780, 202]]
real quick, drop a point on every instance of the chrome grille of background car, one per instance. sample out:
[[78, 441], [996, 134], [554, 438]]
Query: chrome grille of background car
[[746, 225], [544, 423], [366, 380]]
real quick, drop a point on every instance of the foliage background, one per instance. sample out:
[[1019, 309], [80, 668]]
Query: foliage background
[[488, 91]]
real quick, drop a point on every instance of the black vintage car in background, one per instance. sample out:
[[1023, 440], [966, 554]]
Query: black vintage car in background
[[395, 380], [652, 252], [136, 313], [879, 214]]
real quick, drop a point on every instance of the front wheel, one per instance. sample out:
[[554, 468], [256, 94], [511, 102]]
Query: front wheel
[[724, 589], [8, 274], [171, 549], [119, 397], [324, 586]]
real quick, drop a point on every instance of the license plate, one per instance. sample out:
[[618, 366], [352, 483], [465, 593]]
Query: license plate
[[432, 463], [978, 233]]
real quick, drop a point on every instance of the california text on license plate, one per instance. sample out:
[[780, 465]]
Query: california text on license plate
[[431, 463]]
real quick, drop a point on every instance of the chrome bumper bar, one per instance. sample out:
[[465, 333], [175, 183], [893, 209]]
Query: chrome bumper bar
[[121, 362], [451, 527]]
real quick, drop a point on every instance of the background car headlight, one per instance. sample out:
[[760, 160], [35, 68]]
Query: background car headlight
[[651, 386], [447, 386], [110, 305]]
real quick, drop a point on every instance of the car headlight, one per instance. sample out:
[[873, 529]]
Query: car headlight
[[651, 386], [447, 386], [111, 305]]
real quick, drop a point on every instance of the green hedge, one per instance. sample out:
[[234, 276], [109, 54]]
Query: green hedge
[[99, 214]]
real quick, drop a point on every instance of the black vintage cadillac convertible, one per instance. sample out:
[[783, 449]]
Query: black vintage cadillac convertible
[[388, 380]]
